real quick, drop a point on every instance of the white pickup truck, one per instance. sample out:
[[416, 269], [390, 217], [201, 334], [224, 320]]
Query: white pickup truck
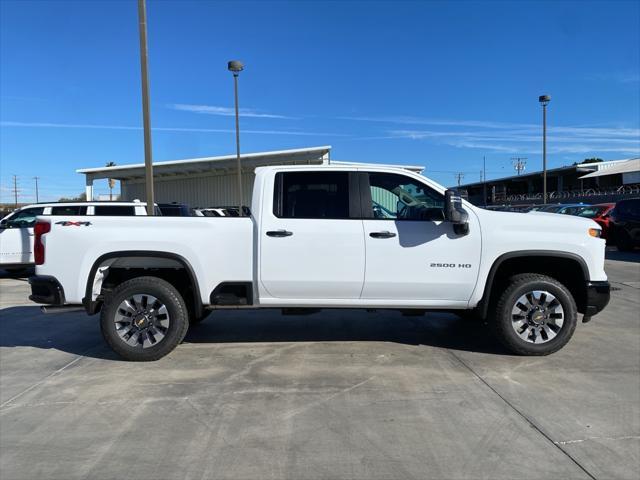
[[327, 237]]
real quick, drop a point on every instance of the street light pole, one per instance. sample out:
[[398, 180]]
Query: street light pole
[[37, 196], [544, 101], [146, 116], [236, 67], [484, 179]]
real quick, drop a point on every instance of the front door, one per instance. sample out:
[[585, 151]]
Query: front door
[[312, 243], [412, 253]]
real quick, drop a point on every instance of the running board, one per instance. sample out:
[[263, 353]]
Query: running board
[[61, 309]]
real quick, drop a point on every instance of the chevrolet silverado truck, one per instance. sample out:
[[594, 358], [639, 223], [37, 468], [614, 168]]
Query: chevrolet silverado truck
[[326, 237]]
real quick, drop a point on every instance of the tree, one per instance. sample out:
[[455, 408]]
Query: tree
[[80, 198], [111, 181], [589, 160]]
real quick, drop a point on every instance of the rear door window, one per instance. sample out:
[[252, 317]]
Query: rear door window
[[114, 210], [69, 210], [316, 195]]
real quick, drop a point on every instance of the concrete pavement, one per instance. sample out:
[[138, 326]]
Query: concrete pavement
[[340, 394]]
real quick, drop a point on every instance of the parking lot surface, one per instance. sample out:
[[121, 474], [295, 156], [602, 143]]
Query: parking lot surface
[[339, 394]]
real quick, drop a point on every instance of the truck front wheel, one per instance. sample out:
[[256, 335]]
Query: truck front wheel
[[535, 315], [144, 319]]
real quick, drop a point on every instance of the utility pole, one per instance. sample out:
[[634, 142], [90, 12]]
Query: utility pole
[[15, 189], [146, 116], [37, 197], [459, 176], [519, 163]]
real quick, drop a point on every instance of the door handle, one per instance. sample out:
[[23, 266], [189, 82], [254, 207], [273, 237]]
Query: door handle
[[279, 233], [384, 234]]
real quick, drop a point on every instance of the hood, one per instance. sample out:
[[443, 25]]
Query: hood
[[539, 221]]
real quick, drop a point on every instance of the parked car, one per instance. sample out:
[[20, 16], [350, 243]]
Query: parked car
[[565, 208], [550, 208], [570, 209], [314, 241], [600, 214], [625, 224], [220, 212], [16, 229]]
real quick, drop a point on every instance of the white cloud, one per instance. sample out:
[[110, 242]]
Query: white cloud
[[524, 138], [618, 77], [167, 129], [225, 111]]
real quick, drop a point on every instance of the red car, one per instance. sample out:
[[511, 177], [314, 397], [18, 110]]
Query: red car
[[600, 214]]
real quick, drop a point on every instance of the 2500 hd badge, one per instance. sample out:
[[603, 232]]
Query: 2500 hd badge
[[450, 265]]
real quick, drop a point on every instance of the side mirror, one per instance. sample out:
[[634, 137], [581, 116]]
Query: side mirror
[[454, 213]]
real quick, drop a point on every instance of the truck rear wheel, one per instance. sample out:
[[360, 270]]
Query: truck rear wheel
[[144, 319], [535, 315]]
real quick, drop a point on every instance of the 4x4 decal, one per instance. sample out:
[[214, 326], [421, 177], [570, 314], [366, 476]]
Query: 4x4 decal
[[66, 223]]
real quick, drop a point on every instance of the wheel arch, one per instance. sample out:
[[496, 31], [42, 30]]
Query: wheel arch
[[537, 261], [93, 306]]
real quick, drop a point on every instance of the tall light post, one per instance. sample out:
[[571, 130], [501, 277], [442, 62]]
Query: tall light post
[[484, 179], [235, 67], [146, 116], [544, 101], [37, 195]]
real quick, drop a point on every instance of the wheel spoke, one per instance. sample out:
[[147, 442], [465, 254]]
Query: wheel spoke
[[142, 320], [537, 316]]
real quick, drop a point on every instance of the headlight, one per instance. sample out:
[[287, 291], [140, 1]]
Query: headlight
[[595, 232]]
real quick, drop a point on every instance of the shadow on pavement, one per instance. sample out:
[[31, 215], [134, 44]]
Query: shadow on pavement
[[435, 329], [79, 334], [633, 256]]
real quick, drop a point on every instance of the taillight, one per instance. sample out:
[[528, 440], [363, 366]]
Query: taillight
[[38, 247]]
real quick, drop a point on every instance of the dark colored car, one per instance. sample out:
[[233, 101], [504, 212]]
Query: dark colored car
[[566, 208], [625, 224], [600, 214], [174, 210]]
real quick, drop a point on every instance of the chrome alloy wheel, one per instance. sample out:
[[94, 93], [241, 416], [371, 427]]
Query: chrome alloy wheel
[[537, 316], [142, 320]]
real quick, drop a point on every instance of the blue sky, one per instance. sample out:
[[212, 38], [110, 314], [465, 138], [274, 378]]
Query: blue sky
[[439, 84]]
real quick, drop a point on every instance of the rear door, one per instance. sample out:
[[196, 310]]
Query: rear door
[[312, 243], [412, 253]]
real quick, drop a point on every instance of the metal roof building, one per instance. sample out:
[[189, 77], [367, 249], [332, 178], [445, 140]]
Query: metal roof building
[[205, 182], [200, 182], [564, 183]]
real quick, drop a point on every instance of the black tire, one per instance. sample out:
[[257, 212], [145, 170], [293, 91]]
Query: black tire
[[501, 314], [167, 295]]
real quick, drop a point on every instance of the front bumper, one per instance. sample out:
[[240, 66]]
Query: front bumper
[[46, 289], [598, 295]]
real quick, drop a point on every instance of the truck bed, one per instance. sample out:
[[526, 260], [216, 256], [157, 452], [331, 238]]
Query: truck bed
[[227, 242]]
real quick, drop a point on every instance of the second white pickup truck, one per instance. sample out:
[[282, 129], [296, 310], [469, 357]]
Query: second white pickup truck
[[327, 237]]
